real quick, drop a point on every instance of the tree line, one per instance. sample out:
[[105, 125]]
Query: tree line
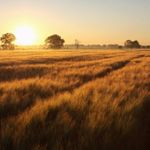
[[54, 41]]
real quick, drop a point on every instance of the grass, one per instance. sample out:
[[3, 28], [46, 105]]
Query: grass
[[75, 99]]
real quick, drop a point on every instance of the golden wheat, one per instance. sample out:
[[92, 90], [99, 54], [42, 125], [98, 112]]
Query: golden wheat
[[75, 99]]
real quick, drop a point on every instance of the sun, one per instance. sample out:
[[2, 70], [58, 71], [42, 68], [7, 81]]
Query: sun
[[25, 35]]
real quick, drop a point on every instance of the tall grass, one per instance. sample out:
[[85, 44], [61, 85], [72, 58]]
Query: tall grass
[[75, 100]]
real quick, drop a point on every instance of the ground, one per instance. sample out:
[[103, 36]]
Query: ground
[[75, 99]]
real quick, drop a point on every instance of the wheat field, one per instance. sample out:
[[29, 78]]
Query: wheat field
[[75, 99]]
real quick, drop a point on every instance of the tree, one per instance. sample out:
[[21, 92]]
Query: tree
[[136, 44], [77, 43], [132, 44], [54, 41], [7, 40]]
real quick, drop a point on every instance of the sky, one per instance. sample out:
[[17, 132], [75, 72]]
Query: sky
[[89, 21]]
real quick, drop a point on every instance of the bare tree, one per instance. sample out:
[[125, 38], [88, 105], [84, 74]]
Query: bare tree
[[77, 43]]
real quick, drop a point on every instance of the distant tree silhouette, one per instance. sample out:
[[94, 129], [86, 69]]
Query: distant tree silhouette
[[54, 41], [132, 44], [7, 40], [77, 43]]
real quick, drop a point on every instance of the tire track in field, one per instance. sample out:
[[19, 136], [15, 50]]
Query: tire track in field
[[113, 67], [9, 111], [51, 60], [9, 73]]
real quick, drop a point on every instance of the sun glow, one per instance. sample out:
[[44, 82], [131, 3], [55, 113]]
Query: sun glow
[[25, 36]]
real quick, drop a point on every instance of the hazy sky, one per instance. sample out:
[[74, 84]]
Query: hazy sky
[[90, 21]]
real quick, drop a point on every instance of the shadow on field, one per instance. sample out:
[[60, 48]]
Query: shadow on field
[[24, 98], [65, 127], [10, 74], [89, 77]]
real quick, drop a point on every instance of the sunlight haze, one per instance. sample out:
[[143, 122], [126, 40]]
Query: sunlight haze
[[25, 35], [90, 21]]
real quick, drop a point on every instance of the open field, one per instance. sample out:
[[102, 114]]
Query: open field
[[75, 100]]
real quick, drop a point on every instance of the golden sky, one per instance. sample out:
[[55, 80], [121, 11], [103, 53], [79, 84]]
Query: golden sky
[[89, 21]]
